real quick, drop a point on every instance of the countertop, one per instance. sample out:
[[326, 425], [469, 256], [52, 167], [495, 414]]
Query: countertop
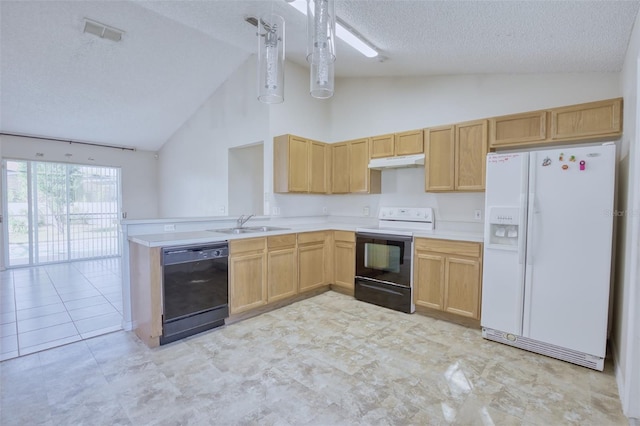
[[168, 239]]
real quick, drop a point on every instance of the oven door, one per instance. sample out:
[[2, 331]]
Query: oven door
[[385, 258], [383, 271]]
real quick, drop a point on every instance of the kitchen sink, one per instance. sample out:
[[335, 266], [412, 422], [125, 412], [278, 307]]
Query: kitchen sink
[[248, 229]]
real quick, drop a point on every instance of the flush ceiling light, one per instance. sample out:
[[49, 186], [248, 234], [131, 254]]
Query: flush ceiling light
[[101, 30], [343, 32]]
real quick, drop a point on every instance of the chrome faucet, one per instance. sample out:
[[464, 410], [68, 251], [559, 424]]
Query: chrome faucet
[[242, 220]]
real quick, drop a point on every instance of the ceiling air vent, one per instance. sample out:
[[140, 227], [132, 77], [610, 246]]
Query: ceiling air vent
[[102, 30], [251, 20]]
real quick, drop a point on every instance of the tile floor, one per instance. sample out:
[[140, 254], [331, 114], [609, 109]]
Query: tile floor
[[52, 305], [327, 360]]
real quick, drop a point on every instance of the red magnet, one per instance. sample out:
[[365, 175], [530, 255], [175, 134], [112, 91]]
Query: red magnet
[[583, 164]]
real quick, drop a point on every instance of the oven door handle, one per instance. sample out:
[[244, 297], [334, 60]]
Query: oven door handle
[[385, 290], [387, 237], [360, 279]]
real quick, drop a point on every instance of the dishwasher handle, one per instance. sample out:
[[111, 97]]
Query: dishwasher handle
[[176, 255]]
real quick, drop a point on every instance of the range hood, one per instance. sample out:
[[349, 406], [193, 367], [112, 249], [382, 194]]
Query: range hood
[[397, 162]]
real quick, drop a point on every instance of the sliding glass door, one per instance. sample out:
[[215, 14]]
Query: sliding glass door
[[58, 212]]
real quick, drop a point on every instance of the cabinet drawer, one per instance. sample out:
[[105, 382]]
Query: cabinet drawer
[[250, 244], [277, 241], [311, 237], [460, 248], [345, 236]]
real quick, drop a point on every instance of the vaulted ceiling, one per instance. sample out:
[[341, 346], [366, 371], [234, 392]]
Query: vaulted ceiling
[[56, 81]]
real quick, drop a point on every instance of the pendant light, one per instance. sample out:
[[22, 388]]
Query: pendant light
[[271, 59], [321, 28]]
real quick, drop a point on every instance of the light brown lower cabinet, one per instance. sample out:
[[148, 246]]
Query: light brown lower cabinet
[[314, 262], [448, 276], [247, 274], [282, 267], [344, 256]]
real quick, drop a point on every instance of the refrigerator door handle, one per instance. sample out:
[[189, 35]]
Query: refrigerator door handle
[[532, 207], [521, 225]]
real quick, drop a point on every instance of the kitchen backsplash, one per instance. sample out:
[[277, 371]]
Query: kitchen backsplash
[[400, 188]]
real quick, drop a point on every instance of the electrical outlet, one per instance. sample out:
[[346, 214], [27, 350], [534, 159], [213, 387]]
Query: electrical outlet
[[171, 227], [365, 211], [325, 210], [221, 209], [477, 214]]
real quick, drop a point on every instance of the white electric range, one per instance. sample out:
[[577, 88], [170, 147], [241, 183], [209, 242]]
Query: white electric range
[[384, 264], [402, 221]]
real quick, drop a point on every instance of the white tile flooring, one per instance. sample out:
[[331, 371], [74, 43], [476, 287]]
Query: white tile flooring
[[52, 305]]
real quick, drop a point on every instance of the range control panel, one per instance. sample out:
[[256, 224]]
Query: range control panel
[[406, 214]]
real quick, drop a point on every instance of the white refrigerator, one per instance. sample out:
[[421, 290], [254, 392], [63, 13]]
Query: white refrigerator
[[547, 251]]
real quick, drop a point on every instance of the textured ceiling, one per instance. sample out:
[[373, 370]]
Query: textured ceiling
[[56, 81]]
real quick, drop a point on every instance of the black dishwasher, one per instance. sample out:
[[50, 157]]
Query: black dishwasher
[[195, 289]]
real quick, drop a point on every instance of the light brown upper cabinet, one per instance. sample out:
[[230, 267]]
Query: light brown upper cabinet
[[382, 146], [408, 143], [340, 173], [350, 171], [395, 144], [575, 123], [440, 158], [455, 157], [518, 128], [471, 152], [300, 165], [593, 119]]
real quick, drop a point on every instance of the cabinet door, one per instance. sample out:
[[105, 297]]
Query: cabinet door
[[429, 280], [471, 153], [282, 274], [462, 289], [247, 276], [589, 120], [408, 143], [318, 165], [298, 164], [382, 146], [359, 166], [518, 128], [340, 168], [311, 266], [439, 159], [345, 264]]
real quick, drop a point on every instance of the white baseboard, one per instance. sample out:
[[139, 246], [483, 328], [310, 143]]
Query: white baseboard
[[127, 325], [618, 372]]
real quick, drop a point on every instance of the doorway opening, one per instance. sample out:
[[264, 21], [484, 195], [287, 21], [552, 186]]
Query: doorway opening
[[246, 179], [59, 212]]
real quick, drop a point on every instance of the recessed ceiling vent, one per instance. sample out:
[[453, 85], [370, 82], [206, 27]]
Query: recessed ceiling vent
[[252, 20], [102, 30]]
